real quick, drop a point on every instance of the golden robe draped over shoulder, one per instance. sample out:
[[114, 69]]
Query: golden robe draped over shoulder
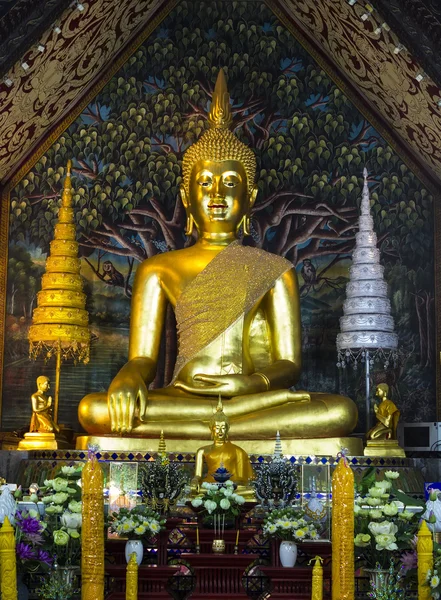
[[228, 287]]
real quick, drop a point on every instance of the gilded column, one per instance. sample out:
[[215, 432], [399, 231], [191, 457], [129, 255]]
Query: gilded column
[[132, 578], [8, 565], [343, 532], [92, 535], [425, 560], [317, 579]]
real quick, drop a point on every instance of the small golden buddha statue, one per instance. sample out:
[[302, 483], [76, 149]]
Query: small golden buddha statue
[[223, 453], [382, 437], [387, 415], [44, 433], [238, 318], [41, 420]]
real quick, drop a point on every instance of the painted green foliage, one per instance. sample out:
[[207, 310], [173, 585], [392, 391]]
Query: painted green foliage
[[311, 145]]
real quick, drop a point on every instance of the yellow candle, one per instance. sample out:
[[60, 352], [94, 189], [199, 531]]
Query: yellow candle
[[92, 538], [8, 564], [197, 536], [425, 560], [317, 579], [237, 537], [343, 583], [132, 578]]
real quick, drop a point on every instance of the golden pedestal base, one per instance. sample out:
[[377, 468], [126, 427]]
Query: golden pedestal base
[[43, 441], [297, 447], [383, 448]]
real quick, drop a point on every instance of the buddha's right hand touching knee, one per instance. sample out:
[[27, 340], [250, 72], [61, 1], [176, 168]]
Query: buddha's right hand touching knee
[[128, 392]]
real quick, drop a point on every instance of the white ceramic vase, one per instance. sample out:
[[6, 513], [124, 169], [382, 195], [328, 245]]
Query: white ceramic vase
[[288, 553], [136, 547]]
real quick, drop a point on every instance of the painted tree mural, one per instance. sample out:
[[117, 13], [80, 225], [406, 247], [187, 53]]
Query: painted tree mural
[[311, 145]]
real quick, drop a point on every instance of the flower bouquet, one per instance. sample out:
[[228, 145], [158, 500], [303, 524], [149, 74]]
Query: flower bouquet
[[31, 541], [384, 528], [62, 500], [136, 523], [289, 524], [434, 576]]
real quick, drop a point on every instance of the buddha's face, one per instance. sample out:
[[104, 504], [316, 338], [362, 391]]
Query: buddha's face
[[43, 385], [220, 431], [218, 195]]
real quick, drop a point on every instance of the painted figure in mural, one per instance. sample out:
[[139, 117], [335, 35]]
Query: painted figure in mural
[[238, 317], [223, 453], [387, 415], [41, 420]]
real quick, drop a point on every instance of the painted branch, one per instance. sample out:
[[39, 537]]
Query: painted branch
[[425, 560], [8, 562], [92, 547], [343, 583]]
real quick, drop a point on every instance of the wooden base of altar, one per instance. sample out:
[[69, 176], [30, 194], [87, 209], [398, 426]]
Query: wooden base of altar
[[297, 447]]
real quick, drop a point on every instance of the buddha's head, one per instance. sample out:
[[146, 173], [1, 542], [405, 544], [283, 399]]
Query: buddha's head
[[219, 424], [43, 383], [382, 391], [218, 170]]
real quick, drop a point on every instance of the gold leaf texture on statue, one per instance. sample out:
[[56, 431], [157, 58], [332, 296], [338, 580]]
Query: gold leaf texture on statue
[[60, 315], [219, 143]]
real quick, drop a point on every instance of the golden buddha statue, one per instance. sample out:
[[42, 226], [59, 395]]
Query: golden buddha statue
[[41, 420], [223, 453], [387, 415], [238, 318], [382, 437], [44, 433]]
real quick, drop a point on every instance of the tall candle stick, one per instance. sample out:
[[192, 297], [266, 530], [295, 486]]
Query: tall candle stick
[[132, 578], [317, 579], [425, 560], [237, 537], [8, 564], [343, 582], [92, 548], [197, 536]]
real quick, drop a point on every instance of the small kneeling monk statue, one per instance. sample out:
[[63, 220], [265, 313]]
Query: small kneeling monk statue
[[237, 310], [223, 453], [41, 420], [387, 415]]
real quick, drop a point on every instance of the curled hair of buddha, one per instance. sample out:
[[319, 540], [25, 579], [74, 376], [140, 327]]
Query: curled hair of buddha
[[219, 416], [219, 143]]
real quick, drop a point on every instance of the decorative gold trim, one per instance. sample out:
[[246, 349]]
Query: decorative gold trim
[[428, 179], [131, 47]]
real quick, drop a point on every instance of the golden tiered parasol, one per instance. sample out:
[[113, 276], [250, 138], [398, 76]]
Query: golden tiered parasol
[[60, 321]]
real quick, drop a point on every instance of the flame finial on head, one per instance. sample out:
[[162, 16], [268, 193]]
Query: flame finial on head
[[220, 116]]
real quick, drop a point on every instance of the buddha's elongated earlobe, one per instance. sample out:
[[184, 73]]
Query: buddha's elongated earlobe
[[245, 222], [190, 225]]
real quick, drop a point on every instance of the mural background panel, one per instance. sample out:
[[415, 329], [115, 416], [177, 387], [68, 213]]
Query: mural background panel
[[311, 145]]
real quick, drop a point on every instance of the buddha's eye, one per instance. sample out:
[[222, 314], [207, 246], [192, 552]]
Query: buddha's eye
[[230, 182], [205, 183]]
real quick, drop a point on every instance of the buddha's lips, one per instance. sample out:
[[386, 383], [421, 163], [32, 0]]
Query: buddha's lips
[[213, 206]]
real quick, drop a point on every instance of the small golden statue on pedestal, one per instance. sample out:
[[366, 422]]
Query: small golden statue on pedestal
[[223, 453], [382, 437], [43, 431]]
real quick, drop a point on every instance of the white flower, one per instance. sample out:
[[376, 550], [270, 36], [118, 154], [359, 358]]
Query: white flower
[[60, 484], [71, 520], [390, 510], [34, 514], [75, 506], [373, 501], [140, 530], [434, 581], [154, 526], [196, 502], [391, 474], [229, 483], [227, 492], [386, 542], [205, 485], [375, 513], [375, 492], [225, 503], [300, 534], [356, 509], [383, 528], [49, 483], [48, 499], [210, 506], [271, 528], [385, 485], [68, 470], [60, 497], [240, 499]]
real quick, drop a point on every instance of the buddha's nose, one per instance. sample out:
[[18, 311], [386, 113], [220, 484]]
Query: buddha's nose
[[216, 188]]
